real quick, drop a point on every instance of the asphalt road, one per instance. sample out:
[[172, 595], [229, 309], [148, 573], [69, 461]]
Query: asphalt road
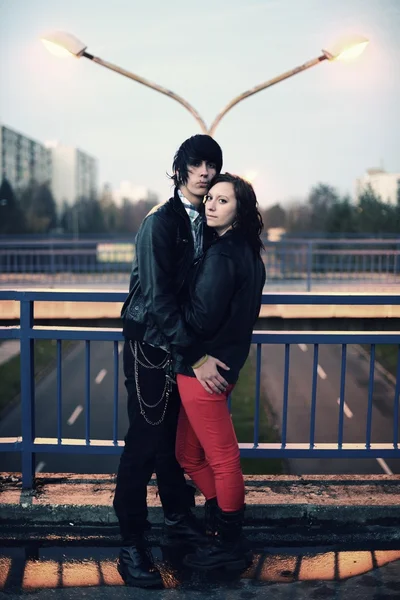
[[298, 425], [73, 411], [327, 404]]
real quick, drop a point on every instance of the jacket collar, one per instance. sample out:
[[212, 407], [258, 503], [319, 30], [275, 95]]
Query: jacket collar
[[178, 206], [235, 234]]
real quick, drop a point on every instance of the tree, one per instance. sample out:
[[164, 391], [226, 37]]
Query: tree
[[66, 218], [342, 217], [321, 200], [39, 208], [298, 218], [274, 216], [326, 212], [133, 213], [11, 216], [89, 215], [111, 213], [375, 216]]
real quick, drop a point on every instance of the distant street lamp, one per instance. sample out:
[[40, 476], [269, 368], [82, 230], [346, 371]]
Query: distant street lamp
[[61, 43]]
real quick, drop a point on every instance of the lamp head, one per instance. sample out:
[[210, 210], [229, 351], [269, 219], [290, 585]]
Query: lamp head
[[347, 48], [62, 43]]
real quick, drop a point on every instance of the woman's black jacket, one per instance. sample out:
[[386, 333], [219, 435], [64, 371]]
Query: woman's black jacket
[[224, 300]]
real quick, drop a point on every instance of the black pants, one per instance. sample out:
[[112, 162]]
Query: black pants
[[148, 448]]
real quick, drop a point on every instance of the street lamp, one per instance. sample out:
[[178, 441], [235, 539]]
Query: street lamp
[[339, 51], [65, 44], [61, 43]]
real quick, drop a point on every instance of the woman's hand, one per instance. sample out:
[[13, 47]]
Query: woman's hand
[[209, 377]]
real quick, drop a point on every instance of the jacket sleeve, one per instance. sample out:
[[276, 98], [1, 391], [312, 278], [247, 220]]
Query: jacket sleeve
[[155, 256], [211, 294]]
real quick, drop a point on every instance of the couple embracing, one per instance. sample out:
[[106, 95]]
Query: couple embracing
[[194, 297]]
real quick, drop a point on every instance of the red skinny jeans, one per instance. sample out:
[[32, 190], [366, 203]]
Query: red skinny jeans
[[206, 444]]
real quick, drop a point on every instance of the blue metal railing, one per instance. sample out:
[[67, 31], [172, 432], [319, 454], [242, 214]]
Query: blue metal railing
[[28, 444], [327, 261], [299, 263]]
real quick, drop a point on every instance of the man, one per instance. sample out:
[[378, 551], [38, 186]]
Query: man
[[170, 238]]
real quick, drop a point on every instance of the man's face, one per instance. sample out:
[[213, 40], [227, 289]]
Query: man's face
[[200, 175]]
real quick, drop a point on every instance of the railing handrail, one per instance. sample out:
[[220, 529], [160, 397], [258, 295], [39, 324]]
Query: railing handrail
[[293, 263], [300, 298]]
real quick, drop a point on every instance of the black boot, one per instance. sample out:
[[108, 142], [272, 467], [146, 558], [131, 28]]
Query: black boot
[[210, 515], [136, 566], [184, 528], [227, 550]]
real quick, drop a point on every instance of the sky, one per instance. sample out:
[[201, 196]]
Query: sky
[[327, 124]]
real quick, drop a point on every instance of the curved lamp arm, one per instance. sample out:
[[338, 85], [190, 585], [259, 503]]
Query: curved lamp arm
[[69, 44], [149, 84], [263, 86]]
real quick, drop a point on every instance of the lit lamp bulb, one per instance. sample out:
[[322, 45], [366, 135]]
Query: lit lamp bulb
[[61, 43], [55, 49], [353, 52], [347, 48]]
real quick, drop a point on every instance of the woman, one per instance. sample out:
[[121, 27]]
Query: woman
[[222, 308]]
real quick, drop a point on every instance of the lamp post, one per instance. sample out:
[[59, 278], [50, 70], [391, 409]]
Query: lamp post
[[64, 44]]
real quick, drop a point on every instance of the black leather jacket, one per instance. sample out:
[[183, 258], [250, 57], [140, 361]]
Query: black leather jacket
[[224, 302], [164, 257]]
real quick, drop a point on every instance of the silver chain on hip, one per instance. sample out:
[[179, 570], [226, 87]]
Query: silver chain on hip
[[148, 364], [165, 363]]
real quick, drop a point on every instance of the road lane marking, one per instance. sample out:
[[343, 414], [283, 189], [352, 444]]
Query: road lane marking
[[100, 375], [75, 415], [384, 466], [40, 467], [120, 347], [346, 409], [303, 347], [321, 372]]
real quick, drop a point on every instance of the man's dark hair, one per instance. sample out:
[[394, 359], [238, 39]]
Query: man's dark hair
[[248, 217], [196, 148]]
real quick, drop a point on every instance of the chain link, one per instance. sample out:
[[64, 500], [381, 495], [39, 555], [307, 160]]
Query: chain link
[[149, 364], [167, 386]]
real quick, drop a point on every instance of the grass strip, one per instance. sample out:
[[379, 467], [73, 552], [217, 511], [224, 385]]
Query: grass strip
[[10, 372], [386, 354]]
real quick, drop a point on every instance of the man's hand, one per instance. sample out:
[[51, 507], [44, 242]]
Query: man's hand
[[209, 377]]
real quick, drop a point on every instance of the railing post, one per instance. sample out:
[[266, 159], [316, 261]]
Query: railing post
[[27, 393], [283, 259], [309, 265], [52, 259], [257, 398], [396, 260]]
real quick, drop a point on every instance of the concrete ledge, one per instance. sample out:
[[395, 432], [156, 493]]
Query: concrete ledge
[[329, 311], [332, 507], [64, 310]]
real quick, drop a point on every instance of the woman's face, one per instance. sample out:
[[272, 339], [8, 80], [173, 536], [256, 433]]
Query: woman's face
[[221, 207]]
